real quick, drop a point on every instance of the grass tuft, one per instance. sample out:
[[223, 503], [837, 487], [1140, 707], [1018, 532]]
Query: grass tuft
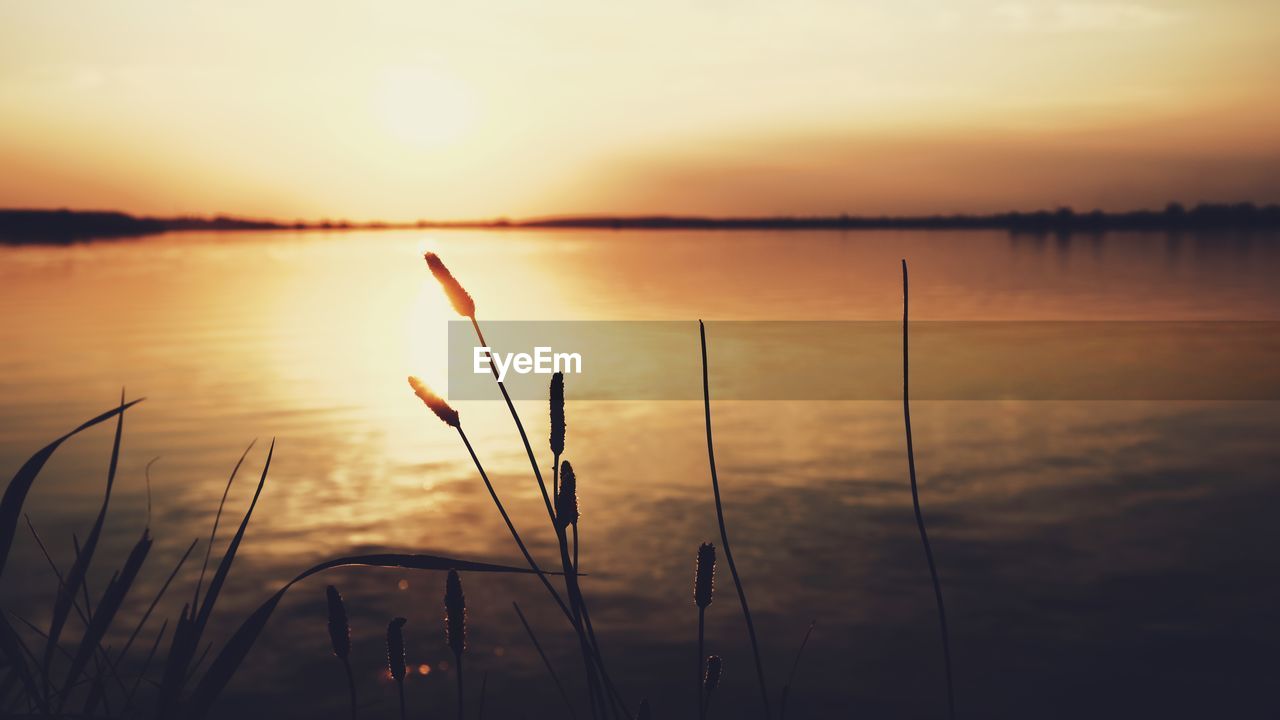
[[455, 628], [395, 657], [340, 639]]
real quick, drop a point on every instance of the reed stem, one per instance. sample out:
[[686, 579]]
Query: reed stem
[[524, 437], [702, 656], [462, 713], [555, 478], [588, 638], [351, 688], [915, 501], [515, 534], [724, 533], [575, 602], [791, 678], [573, 614], [551, 670]]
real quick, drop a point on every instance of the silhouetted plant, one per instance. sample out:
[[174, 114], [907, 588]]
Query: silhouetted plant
[[577, 611], [724, 532], [714, 667], [340, 639], [703, 587], [395, 657], [546, 662], [93, 671], [567, 498], [915, 503], [455, 628], [791, 677]]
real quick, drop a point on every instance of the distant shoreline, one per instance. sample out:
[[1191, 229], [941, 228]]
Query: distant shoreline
[[18, 226]]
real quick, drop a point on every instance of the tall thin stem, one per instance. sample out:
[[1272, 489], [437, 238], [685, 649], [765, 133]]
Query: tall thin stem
[[545, 661], [575, 602], [555, 479], [524, 437], [702, 658], [462, 713], [595, 658], [791, 679], [351, 687], [515, 534], [724, 533], [915, 501], [574, 615]]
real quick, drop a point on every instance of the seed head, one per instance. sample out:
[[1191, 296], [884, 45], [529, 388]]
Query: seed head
[[339, 629], [461, 301], [455, 614], [395, 648], [435, 402], [557, 413], [567, 497], [704, 576], [712, 680]]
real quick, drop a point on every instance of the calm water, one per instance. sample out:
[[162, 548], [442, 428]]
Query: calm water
[[1100, 559]]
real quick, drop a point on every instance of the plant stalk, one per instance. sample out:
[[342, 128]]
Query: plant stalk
[[724, 533], [915, 501]]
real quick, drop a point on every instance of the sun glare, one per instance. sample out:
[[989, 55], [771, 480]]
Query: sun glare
[[422, 107]]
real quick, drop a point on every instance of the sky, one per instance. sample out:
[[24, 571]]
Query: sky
[[400, 110]]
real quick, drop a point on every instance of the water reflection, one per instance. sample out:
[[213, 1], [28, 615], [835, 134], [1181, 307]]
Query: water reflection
[[1094, 554]]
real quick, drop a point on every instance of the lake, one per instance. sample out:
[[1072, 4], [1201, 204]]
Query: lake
[[1099, 559]]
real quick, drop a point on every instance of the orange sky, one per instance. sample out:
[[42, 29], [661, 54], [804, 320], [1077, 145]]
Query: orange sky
[[402, 110]]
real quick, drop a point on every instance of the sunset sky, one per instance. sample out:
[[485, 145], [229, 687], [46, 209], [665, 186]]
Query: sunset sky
[[424, 109]]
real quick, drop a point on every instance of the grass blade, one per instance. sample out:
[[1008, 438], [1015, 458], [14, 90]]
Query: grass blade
[[112, 598], [146, 665], [545, 661], [186, 636], [195, 602], [155, 601], [224, 567], [80, 568], [181, 649], [16, 494], [791, 679], [11, 646]]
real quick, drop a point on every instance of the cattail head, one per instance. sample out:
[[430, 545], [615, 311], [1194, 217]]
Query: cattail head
[[704, 576], [461, 301], [435, 402], [557, 413], [712, 680], [567, 497], [643, 714], [339, 628], [395, 648], [455, 614]]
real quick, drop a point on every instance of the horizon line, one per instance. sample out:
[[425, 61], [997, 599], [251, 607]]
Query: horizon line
[[39, 224], [607, 216]]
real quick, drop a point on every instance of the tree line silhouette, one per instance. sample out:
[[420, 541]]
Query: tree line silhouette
[[65, 226]]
